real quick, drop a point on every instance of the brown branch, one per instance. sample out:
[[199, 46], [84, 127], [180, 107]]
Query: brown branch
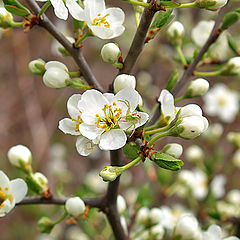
[[76, 53], [138, 41], [92, 202]]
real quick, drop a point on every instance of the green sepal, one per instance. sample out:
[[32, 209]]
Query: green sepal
[[16, 8], [162, 19], [229, 19], [232, 44], [33, 185], [172, 80], [78, 83], [131, 151], [167, 161]]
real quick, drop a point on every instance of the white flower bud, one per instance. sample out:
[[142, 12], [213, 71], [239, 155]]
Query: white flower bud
[[191, 127], [124, 81], [37, 67], [194, 154], [234, 65], [56, 75], [234, 138], [155, 215], [6, 18], [236, 159], [176, 29], [212, 5], [173, 149], [157, 231], [121, 204], [233, 197], [186, 226], [75, 206], [218, 185], [41, 179], [110, 53], [197, 88], [143, 216], [19, 155]]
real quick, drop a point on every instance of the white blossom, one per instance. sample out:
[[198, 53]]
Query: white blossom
[[106, 117], [110, 53], [124, 81], [11, 192], [222, 102], [75, 206], [121, 204], [201, 32], [194, 154], [233, 197], [56, 75], [234, 64], [18, 155], [197, 87], [218, 185], [214, 132], [176, 30], [71, 126]]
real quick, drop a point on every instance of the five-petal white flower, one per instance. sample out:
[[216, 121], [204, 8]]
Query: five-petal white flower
[[106, 116], [11, 192]]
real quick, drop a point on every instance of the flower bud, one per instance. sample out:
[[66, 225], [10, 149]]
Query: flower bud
[[232, 67], [56, 75], [155, 215], [75, 206], [197, 88], [191, 127], [124, 81], [143, 216], [157, 231], [194, 154], [233, 197], [41, 179], [173, 149], [6, 18], [20, 156], [212, 5], [110, 53], [186, 226], [45, 225], [121, 204], [37, 67], [110, 173], [175, 33], [234, 138], [236, 159]]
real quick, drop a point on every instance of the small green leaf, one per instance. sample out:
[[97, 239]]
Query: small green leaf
[[232, 44], [131, 151], [162, 19], [167, 161], [13, 6], [229, 19], [172, 80]]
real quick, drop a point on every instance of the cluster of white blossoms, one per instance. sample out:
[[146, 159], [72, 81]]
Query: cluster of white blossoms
[[105, 23], [193, 123], [222, 102], [102, 119], [11, 192]]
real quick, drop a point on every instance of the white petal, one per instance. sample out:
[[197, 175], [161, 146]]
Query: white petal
[[56, 64], [143, 119], [75, 10], [7, 207], [72, 105], [109, 97], [102, 32], [68, 126], [60, 9], [116, 16], [18, 189], [130, 95], [84, 146], [117, 30], [167, 103], [90, 131], [215, 231], [190, 110], [94, 7], [4, 181], [112, 140]]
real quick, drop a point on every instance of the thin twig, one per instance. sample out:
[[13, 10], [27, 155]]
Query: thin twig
[[76, 53]]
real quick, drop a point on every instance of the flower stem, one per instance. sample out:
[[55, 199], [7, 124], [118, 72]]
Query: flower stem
[[137, 3], [44, 8], [153, 140], [61, 218], [74, 74], [207, 74], [118, 65], [186, 5], [80, 40], [17, 24], [134, 162], [179, 99], [181, 55], [163, 129], [154, 126], [82, 86]]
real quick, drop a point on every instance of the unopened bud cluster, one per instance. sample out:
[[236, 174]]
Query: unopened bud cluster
[[212, 5], [6, 18]]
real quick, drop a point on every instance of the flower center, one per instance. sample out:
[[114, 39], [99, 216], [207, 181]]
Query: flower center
[[111, 117], [78, 122], [101, 21], [4, 196]]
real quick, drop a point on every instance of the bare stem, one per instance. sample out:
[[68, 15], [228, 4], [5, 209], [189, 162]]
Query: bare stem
[[76, 53]]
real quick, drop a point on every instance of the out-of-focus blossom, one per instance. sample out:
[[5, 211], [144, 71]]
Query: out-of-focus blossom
[[194, 154], [218, 185]]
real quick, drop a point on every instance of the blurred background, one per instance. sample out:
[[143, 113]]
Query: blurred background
[[29, 115]]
